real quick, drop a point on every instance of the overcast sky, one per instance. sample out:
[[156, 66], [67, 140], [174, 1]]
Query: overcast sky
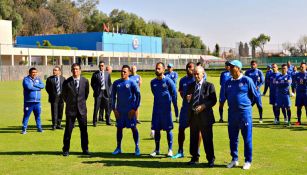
[[225, 22]]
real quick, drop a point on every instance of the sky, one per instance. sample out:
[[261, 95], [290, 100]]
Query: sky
[[225, 22]]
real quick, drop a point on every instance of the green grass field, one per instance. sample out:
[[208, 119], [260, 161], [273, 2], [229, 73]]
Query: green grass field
[[276, 149]]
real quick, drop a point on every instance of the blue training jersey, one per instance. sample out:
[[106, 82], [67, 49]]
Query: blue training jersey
[[240, 93], [135, 78], [225, 75], [273, 80], [172, 75], [256, 75], [283, 83], [164, 91], [267, 76], [300, 81], [125, 95], [184, 84]]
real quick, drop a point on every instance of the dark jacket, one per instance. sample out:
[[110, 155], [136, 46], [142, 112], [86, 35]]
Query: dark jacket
[[51, 88], [207, 97], [75, 101], [96, 83]]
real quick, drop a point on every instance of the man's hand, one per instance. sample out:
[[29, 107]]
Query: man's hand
[[189, 98], [116, 113], [200, 108], [131, 113]]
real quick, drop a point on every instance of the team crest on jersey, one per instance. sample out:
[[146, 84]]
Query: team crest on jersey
[[164, 85], [137, 79], [240, 84], [154, 85], [184, 84], [127, 85], [36, 81], [118, 85], [229, 86]]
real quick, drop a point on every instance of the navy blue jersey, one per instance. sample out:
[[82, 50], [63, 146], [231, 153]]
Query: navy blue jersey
[[267, 76], [240, 93], [273, 79], [184, 84], [125, 95], [283, 83], [135, 78], [300, 81], [172, 75], [256, 75]]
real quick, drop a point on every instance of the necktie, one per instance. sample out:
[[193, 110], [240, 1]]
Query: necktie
[[102, 80], [196, 95], [58, 85], [77, 85]]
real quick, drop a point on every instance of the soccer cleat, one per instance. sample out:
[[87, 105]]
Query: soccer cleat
[[117, 151], [170, 153], [246, 166], [155, 153], [289, 123], [137, 151], [178, 155], [23, 132], [297, 123], [276, 122], [40, 130], [260, 121], [233, 163]]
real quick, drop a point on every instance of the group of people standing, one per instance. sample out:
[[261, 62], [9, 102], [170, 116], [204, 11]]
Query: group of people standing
[[198, 98]]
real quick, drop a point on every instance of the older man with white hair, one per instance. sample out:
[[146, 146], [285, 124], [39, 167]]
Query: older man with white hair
[[201, 97]]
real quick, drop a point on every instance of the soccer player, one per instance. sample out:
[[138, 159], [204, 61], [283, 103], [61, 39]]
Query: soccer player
[[183, 116], [300, 81], [240, 92], [273, 80], [164, 92], [267, 79], [125, 102], [225, 75], [283, 83], [293, 74], [257, 76], [173, 76], [138, 80]]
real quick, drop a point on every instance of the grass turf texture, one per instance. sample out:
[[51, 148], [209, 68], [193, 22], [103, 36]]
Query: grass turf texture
[[276, 149]]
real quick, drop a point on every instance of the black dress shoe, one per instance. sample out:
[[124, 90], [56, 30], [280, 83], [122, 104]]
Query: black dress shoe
[[193, 162], [109, 123], [59, 127], [53, 127], [94, 124], [211, 164], [65, 153], [86, 152]]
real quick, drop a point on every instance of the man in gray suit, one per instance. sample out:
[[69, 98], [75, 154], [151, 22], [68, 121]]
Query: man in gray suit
[[101, 84]]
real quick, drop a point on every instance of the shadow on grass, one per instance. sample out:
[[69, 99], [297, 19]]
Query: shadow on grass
[[151, 164]]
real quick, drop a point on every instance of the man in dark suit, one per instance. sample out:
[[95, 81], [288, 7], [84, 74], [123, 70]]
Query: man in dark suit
[[54, 87], [201, 97], [101, 84], [75, 93]]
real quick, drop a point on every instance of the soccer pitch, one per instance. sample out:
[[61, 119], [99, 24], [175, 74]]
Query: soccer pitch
[[276, 149]]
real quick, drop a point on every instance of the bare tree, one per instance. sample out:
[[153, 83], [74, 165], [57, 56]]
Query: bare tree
[[46, 20]]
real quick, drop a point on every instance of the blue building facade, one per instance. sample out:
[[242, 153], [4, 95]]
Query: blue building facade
[[102, 41]]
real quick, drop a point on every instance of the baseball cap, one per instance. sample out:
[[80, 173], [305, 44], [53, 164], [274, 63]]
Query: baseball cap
[[236, 63], [170, 65]]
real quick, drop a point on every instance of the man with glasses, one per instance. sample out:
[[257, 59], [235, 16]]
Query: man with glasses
[[54, 87], [101, 84], [300, 81], [125, 102], [257, 76]]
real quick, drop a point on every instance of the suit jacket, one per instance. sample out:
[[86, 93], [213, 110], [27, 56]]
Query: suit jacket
[[208, 98], [51, 88], [75, 101], [96, 83]]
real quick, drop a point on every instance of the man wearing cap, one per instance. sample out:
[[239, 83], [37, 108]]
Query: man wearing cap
[[257, 76], [225, 75], [173, 76], [240, 92], [267, 79]]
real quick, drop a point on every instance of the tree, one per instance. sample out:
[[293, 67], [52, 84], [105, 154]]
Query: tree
[[241, 49], [87, 7], [8, 12], [302, 42], [46, 20], [260, 41], [216, 50], [246, 50], [254, 43]]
